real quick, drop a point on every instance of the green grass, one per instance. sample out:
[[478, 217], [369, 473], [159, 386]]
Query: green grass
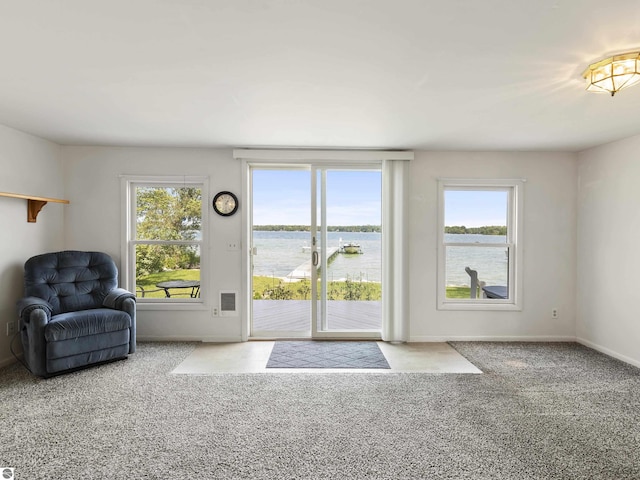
[[148, 282], [274, 288], [458, 292]]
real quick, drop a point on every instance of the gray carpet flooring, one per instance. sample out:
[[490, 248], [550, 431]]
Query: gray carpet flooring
[[326, 354], [540, 411]]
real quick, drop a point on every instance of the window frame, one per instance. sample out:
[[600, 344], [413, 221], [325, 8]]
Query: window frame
[[129, 184], [514, 244]]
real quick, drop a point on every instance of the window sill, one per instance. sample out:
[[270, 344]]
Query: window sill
[[477, 306]]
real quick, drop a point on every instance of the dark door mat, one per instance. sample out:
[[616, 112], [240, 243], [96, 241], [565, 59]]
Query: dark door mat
[[326, 354]]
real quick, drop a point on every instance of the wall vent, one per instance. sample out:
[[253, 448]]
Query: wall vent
[[228, 303]]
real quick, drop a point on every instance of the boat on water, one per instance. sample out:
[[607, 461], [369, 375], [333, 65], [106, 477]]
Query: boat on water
[[351, 248]]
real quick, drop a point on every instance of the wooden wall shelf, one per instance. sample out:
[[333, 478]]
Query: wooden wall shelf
[[34, 204]]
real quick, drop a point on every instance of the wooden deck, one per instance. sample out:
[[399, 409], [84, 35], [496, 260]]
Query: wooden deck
[[294, 315]]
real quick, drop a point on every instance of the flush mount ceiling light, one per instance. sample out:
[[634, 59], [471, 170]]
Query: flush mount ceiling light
[[613, 73]]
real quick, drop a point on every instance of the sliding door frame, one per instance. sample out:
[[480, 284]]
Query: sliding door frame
[[324, 158], [320, 328]]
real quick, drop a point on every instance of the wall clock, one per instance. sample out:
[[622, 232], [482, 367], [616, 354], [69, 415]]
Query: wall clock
[[225, 203]]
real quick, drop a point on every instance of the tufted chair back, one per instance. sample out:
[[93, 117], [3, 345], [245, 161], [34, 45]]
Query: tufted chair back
[[71, 280]]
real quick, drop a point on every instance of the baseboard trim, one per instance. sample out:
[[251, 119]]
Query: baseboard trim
[[8, 361], [187, 338], [11, 360], [610, 353], [489, 338]]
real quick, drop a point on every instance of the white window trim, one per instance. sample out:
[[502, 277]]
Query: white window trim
[[514, 243], [127, 184]]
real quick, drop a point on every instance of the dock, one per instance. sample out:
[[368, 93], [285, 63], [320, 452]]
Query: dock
[[304, 271]]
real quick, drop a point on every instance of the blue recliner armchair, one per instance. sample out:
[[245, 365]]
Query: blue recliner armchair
[[73, 314]]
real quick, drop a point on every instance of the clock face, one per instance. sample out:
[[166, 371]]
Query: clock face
[[225, 203]]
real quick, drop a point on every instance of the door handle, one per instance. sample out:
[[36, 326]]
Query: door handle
[[314, 258]]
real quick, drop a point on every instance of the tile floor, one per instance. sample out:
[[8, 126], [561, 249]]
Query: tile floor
[[251, 357]]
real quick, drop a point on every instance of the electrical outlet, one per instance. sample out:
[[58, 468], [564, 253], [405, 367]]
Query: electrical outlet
[[214, 312], [554, 313], [233, 246], [11, 328]]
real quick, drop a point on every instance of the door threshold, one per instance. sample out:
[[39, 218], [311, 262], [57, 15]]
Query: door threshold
[[323, 339]]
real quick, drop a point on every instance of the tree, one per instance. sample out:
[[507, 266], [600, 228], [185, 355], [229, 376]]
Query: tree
[[486, 230], [169, 214]]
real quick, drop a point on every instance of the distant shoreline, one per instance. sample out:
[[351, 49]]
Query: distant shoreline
[[486, 230], [456, 230], [330, 228]]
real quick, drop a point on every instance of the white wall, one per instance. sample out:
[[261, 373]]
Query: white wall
[[30, 166], [608, 259], [549, 243], [94, 223]]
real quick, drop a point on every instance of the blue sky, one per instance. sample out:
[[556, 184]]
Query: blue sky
[[475, 208], [282, 197]]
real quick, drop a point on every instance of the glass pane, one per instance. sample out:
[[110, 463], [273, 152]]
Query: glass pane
[[476, 216], [167, 271], [489, 265], [168, 213], [353, 267], [281, 260]]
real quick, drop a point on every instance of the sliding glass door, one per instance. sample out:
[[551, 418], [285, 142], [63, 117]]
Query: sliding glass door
[[349, 246], [316, 251], [280, 253]]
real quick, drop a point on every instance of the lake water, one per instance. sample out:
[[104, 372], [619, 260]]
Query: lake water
[[279, 253], [491, 263]]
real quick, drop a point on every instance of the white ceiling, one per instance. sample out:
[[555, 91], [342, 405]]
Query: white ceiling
[[394, 74]]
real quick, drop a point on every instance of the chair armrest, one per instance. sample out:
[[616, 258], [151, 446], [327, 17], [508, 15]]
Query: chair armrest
[[124, 300], [35, 313], [28, 304], [116, 297]]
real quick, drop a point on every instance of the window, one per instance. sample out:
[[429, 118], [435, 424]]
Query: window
[[165, 238], [480, 247]]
